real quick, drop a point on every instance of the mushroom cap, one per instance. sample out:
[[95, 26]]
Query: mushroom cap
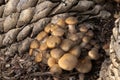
[[80, 35], [55, 69], [34, 44], [38, 57], [56, 53], [93, 54], [53, 41], [86, 39], [66, 44], [83, 28], [61, 22], [71, 21], [41, 35], [84, 65], [51, 61], [73, 37], [43, 46], [58, 32], [68, 61], [118, 1], [75, 51], [90, 33], [47, 28]]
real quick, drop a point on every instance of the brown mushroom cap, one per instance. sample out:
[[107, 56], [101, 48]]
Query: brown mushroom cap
[[86, 39], [51, 61], [56, 53], [58, 32], [61, 22], [90, 33], [66, 44], [83, 28], [93, 54], [68, 61], [73, 37], [55, 69], [84, 65], [47, 28], [71, 21], [38, 57], [53, 41], [43, 46], [34, 44], [75, 51], [41, 35]]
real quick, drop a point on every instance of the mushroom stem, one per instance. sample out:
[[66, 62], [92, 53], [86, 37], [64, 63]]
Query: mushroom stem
[[71, 28]]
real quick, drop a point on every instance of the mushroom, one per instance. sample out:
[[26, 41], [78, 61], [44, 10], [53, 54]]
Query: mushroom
[[55, 69], [75, 51], [93, 54], [53, 41], [61, 22], [47, 28], [41, 35], [58, 32], [90, 33], [83, 28], [56, 53], [34, 44], [67, 61], [118, 1], [84, 65], [66, 44], [38, 57], [86, 39], [30, 52], [43, 46], [80, 35], [51, 61], [73, 37], [71, 21]]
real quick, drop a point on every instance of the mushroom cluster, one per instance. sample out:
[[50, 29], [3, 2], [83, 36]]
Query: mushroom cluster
[[65, 45]]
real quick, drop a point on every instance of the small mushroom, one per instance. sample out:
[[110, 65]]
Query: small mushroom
[[75, 51], [71, 21], [80, 35], [93, 54], [53, 41], [73, 37], [58, 32], [90, 33], [41, 35], [47, 28], [86, 39], [83, 28], [43, 46], [55, 69], [34, 44], [61, 22], [56, 53], [38, 57], [66, 44], [51, 61], [68, 61], [84, 65], [118, 1]]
